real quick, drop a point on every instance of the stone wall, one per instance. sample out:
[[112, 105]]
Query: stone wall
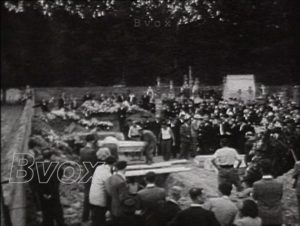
[[14, 193]]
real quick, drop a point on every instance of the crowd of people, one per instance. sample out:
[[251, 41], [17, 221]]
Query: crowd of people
[[267, 131], [113, 199]]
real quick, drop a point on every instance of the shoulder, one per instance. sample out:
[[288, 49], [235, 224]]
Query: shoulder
[[258, 183]]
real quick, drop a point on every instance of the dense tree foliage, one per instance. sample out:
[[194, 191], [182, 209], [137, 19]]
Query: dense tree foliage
[[104, 42]]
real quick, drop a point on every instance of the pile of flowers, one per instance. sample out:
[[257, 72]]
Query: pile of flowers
[[95, 123], [93, 107]]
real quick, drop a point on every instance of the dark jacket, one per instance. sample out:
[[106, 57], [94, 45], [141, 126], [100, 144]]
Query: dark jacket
[[195, 216], [117, 188], [89, 159], [268, 193], [149, 199], [167, 212]]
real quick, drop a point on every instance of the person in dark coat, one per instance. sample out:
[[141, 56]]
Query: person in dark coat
[[195, 215], [185, 139], [268, 194], [128, 218], [149, 199], [170, 207], [47, 186], [88, 159], [176, 130], [117, 188]]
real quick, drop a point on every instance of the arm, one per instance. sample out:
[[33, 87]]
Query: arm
[[213, 161], [129, 133], [238, 160], [173, 137], [255, 192], [213, 220]]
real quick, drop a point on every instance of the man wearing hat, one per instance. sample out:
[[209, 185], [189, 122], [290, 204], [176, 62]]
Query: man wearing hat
[[195, 215], [117, 188], [98, 196]]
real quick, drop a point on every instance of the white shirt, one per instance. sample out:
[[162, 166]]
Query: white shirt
[[166, 133], [226, 156], [134, 131], [98, 195]]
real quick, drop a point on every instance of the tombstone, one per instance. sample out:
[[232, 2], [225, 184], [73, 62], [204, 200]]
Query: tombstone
[[171, 94]]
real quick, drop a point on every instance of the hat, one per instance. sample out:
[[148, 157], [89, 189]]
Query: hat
[[249, 133], [198, 117], [103, 153]]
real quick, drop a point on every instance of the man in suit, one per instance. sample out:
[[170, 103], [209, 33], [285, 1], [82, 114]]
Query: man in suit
[[185, 139], [224, 209], [176, 130], [117, 188], [170, 207], [195, 215], [46, 184], [89, 160], [149, 198], [268, 193]]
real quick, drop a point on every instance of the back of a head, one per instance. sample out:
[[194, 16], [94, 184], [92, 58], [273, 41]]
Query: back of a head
[[121, 165], [266, 167], [150, 177], [110, 160], [224, 142], [90, 138], [249, 209], [195, 193], [225, 188], [175, 192]]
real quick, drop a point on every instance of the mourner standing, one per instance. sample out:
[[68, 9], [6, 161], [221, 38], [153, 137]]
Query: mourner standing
[[268, 194], [88, 159], [224, 160], [166, 140], [98, 196]]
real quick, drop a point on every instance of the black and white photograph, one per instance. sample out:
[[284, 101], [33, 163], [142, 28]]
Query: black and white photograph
[[150, 113]]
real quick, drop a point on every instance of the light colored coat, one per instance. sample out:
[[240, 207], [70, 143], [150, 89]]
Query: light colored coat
[[98, 195]]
